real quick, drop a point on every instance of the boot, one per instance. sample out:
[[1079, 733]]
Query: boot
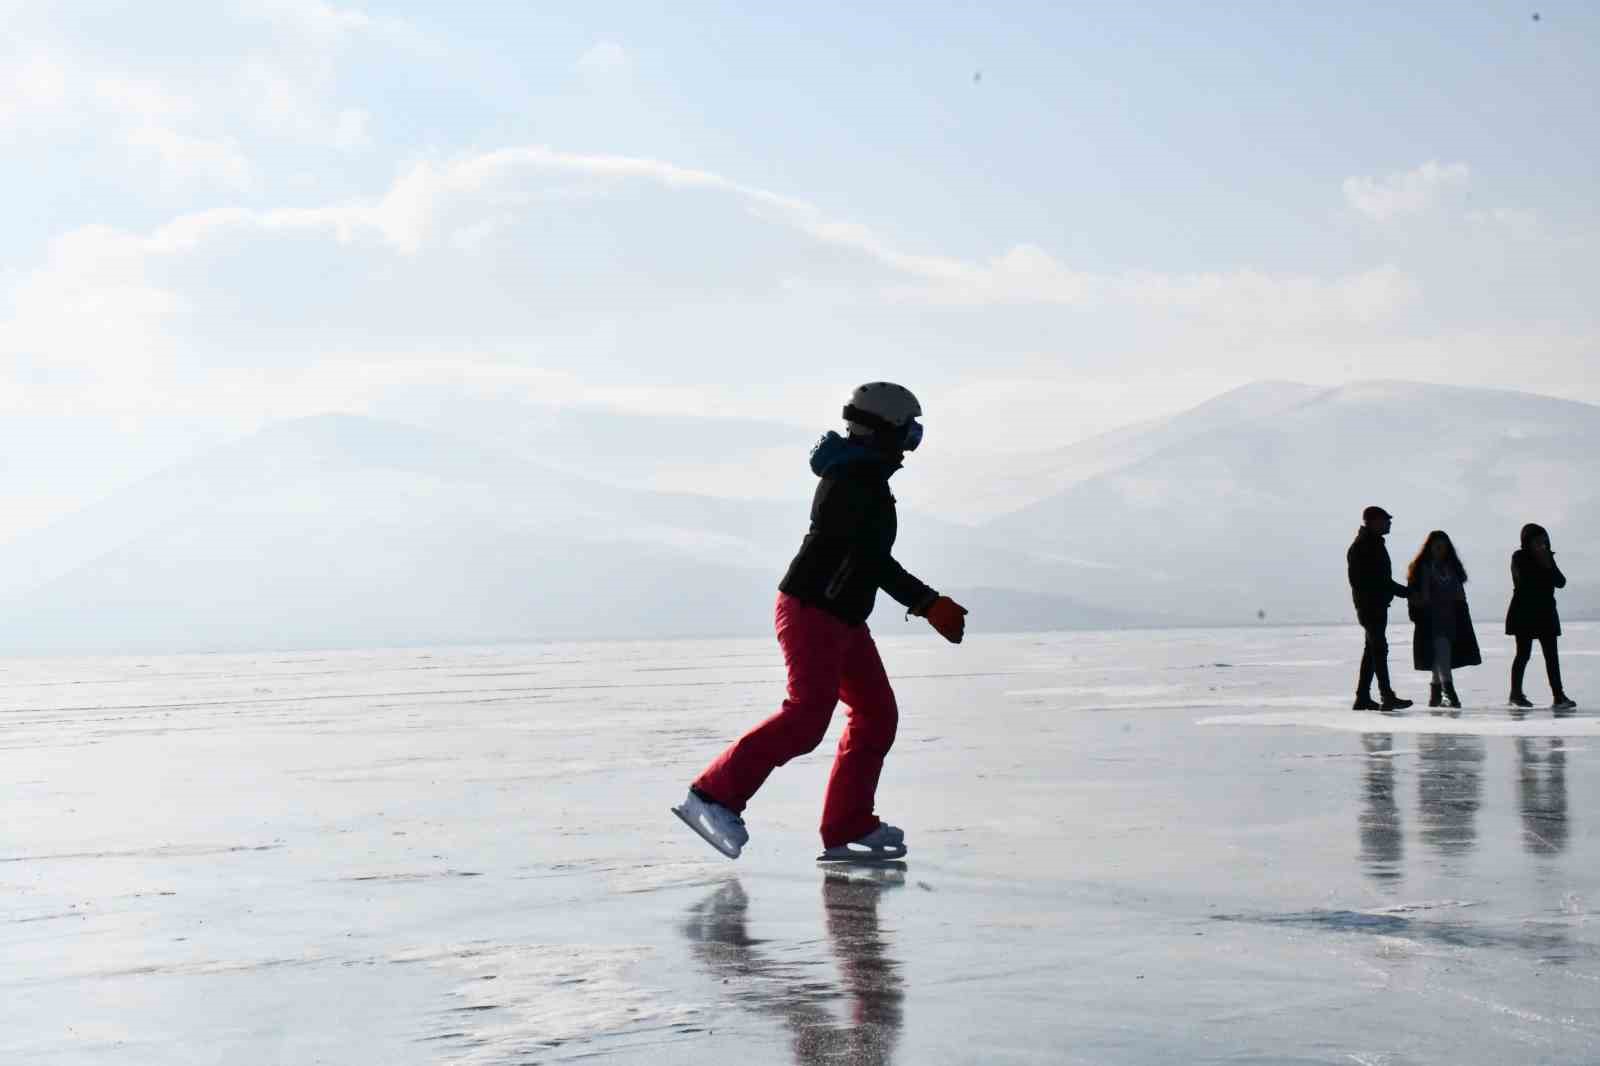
[[1433, 694], [1391, 702], [1563, 705], [1517, 699], [1364, 702], [1451, 700]]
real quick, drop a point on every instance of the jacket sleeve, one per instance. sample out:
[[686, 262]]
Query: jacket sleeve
[[844, 511], [911, 593], [1557, 578]]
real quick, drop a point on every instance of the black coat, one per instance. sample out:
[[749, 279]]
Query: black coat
[[1372, 584], [1533, 600], [846, 557], [1464, 650]]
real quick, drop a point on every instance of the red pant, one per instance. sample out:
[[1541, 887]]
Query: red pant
[[828, 660]]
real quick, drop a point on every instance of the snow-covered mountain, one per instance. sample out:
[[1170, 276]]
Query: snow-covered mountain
[[344, 530], [1253, 512], [978, 488]]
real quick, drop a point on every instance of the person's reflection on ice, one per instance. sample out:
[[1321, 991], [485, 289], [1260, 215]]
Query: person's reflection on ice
[[1382, 842], [789, 990], [1449, 790], [1542, 793]]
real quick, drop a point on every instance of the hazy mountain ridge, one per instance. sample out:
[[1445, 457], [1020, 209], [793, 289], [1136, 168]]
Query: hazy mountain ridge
[[345, 530], [348, 530], [1255, 516]]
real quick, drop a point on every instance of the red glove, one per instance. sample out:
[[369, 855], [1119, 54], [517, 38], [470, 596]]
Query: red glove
[[948, 617]]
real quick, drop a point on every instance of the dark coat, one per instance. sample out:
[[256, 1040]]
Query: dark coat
[[1533, 600], [1464, 649], [1372, 584], [846, 556]]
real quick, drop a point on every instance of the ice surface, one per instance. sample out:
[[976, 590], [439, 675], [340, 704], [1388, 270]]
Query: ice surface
[[1125, 848]]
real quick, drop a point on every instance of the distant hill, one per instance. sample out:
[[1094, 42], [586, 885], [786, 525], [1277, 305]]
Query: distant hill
[[344, 530], [976, 489], [354, 531], [1253, 512]]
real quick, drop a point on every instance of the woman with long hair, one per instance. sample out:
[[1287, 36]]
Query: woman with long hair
[[1532, 614], [1437, 600]]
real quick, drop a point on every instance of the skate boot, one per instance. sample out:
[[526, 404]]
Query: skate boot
[[719, 827], [884, 844], [1563, 705], [1517, 699], [1434, 691], [1391, 702], [1363, 702], [1451, 700]]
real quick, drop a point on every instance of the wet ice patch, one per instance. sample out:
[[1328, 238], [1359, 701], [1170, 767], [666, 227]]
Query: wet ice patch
[[515, 1003]]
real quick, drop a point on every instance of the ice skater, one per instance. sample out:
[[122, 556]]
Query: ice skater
[[1533, 616], [1373, 587], [1444, 638], [823, 604]]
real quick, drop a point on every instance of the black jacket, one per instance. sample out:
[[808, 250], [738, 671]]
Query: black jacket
[[1533, 600], [1464, 649], [1372, 583], [845, 558]]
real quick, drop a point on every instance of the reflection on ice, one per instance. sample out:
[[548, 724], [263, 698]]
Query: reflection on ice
[[1448, 788], [761, 982], [1542, 794], [1382, 842]]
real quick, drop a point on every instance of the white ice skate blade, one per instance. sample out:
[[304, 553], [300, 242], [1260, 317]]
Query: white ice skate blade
[[706, 834], [863, 856]]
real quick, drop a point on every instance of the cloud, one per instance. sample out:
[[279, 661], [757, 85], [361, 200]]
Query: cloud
[[199, 119], [1409, 192], [407, 216], [33, 87], [607, 59], [105, 299], [1513, 221]]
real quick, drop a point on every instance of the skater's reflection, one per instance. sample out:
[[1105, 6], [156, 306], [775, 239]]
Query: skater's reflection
[[1449, 788], [1542, 793], [789, 989], [1381, 838]]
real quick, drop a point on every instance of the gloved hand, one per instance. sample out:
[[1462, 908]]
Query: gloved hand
[[948, 617]]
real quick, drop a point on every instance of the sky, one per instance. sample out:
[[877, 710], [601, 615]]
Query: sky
[[1048, 219]]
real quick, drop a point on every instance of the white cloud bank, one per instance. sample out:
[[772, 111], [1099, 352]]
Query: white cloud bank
[[103, 307], [1409, 192]]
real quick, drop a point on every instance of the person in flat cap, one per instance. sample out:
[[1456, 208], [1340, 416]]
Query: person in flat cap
[[1373, 587]]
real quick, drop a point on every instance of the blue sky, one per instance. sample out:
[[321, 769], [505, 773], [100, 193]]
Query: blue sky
[[1049, 218]]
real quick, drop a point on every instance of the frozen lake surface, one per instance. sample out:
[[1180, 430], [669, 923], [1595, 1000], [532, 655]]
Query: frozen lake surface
[[1125, 848]]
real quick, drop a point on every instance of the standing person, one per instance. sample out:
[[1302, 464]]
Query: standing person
[[1373, 587], [1438, 602], [1532, 614], [823, 604]]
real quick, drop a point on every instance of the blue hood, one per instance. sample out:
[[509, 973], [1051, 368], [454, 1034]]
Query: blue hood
[[834, 451]]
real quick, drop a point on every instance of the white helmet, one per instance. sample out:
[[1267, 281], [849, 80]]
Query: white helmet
[[884, 409]]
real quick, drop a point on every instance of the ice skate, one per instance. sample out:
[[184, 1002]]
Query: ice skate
[[884, 844], [1561, 704], [720, 827], [1517, 699]]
